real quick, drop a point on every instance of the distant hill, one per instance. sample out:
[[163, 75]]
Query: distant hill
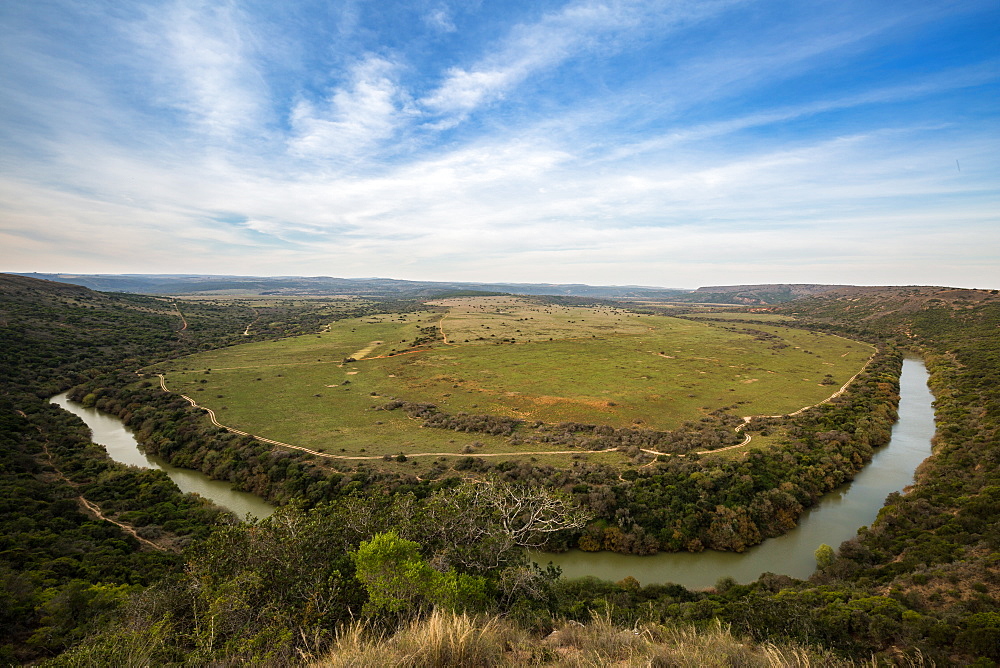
[[776, 293], [900, 310], [178, 284], [162, 284], [797, 289]]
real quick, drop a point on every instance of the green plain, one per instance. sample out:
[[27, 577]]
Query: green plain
[[592, 365]]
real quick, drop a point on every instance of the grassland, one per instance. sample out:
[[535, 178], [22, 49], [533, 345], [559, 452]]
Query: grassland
[[510, 357], [740, 315]]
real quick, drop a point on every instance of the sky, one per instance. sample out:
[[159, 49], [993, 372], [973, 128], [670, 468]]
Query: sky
[[610, 142]]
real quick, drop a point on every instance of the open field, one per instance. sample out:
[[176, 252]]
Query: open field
[[738, 315], [509, 357], [486, 320]]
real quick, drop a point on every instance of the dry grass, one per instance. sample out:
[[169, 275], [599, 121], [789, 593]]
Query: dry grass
[[590, 365], [446, 639], [442, 639]]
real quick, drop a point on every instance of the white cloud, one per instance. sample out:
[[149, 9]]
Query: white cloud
[[440, 19], [355, 118], [203, 59], [672, 180], [557, 36], [526, 50]]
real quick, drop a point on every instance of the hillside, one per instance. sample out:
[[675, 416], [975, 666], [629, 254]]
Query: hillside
[[924, 577], [751, 295], [382, 288], [893, 310]]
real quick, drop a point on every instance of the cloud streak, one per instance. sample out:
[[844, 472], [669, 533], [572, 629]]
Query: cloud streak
[[203, 59], [355, 118]]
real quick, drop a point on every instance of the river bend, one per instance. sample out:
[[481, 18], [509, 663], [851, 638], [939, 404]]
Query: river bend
[[836, 517], [833, 520], [108, 430]]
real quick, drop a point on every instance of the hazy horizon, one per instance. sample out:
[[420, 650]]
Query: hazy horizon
[[474, 282], [616, 142]]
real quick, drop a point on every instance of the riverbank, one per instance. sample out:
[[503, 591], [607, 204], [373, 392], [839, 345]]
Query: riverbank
[[833, 520], [107, 430]]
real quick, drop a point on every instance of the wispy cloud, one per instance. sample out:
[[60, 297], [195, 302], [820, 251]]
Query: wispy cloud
[[355, 118], [202, 58], [439, 18], [935, 84], [544, 44]]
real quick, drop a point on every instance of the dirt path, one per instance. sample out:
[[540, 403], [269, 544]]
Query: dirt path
[[96, 510], [92, 507], [367, 350], [246, 332], [215, 422], [748, 418], [444, 337], [184, 322], [746, 437]]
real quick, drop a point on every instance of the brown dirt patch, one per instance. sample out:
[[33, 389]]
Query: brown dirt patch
[[547, 400]]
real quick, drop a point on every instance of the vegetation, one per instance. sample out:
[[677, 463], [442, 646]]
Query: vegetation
[[375, 560], [450, 639], [64, 571], [581, 365], [267, 591], [658, 503]]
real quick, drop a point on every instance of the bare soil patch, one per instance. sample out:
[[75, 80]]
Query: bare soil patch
[[366, 351]]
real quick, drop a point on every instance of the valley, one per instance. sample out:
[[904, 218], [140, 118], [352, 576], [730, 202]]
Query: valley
[[426, 419], [514, 358]]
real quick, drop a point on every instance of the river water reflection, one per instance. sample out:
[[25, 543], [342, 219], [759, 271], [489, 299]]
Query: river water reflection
[[122, 447], [833, 520]]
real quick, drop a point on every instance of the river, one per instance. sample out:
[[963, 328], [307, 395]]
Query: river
[[833, 520], [107, 430]]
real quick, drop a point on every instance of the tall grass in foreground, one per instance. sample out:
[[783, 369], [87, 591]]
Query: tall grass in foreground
[[448, 639]]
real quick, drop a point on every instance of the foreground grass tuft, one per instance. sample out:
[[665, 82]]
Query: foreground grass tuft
[[448, 639], [442, 639]]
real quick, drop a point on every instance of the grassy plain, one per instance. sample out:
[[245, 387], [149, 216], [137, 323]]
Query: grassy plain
[[512, 357], [757, 317]]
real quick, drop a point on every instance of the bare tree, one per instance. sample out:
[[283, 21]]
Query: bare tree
[[480, 524], [527, 514]]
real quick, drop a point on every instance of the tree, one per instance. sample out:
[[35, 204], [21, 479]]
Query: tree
[[398, 580], [528, 514], [393, 573], [481, 526], [825, 556]]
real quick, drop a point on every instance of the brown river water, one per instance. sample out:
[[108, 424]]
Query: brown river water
[[108, 431]]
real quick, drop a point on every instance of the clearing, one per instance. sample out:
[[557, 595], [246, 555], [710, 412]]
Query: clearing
[[513, 357]]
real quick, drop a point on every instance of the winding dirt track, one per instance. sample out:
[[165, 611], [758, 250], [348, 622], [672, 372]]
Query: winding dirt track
[[184, 321], [215, 421], [748, 418], [246, 332], [92, 507], [363, 354], [746, 439]]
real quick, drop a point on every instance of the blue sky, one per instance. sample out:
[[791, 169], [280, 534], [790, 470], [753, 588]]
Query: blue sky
[[676, 144]]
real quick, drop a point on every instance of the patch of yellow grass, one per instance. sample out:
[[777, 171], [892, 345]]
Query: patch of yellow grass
[[367, 350], [448, 639]]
